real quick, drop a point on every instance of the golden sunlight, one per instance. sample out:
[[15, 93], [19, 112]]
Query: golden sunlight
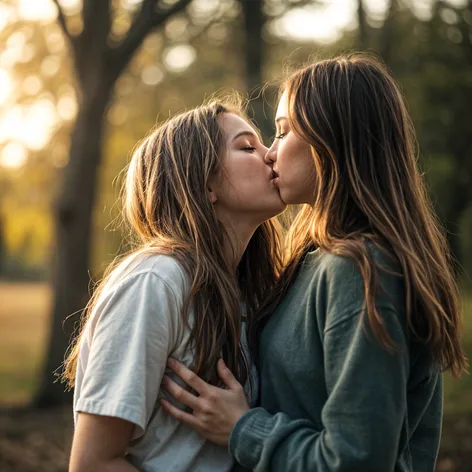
[[6, 86], [37, 10], [13, 156]]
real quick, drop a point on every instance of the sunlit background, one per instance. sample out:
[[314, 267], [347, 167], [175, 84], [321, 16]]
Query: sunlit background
[[203, 48], [30, 117]]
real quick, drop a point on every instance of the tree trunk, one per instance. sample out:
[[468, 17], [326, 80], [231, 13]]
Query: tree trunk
[[362, 30], [73, 228], [97, 67], [254, 21], [387, 40]]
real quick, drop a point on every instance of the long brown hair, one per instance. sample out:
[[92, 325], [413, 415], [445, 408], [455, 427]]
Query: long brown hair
[[167, 208], [369, 190]]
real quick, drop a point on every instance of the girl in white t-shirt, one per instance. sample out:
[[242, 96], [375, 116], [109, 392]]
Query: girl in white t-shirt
[[198, 197]]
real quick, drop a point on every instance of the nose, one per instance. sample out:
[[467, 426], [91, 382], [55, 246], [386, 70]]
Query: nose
[[271, 155]]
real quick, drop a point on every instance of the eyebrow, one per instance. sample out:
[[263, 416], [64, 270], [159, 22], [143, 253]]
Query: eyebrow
[[280, 118], [245, 133]]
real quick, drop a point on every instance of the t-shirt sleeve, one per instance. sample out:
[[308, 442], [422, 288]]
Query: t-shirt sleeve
[[133, 332]]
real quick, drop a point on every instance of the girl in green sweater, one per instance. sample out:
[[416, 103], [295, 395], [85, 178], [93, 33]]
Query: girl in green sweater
[[366, 316]]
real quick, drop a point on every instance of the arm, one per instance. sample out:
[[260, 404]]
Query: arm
[[366, 388], [100, 443], [214, 410], [132, 334], [427, 432], [362, 417]]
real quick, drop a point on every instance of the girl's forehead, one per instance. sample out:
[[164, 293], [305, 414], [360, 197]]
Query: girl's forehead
[[282, 107], [233, 125]]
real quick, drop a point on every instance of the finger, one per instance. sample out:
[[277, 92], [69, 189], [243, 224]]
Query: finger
[[189, 377], [179, 393], [227, 376], [182, 416]]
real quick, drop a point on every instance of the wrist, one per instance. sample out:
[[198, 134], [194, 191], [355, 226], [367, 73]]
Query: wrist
[[238, 415]]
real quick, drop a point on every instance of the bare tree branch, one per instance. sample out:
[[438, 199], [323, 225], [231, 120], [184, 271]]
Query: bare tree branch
[[148, 17], [162, 15], [61, 19], [214, 20]]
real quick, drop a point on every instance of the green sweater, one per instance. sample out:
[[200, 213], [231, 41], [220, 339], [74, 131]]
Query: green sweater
[[332, 398]]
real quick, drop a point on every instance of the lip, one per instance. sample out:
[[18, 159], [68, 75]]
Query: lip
[[275, 177]]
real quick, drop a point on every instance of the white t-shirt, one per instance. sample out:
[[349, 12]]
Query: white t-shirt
[[135, 327]]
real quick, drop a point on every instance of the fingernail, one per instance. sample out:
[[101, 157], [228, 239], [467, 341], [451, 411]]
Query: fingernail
[[171, 362], [165, 380]]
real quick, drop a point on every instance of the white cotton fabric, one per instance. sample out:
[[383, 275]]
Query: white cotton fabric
[[136, 326]]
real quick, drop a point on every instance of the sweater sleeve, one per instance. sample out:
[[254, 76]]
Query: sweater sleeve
[[362, 417]]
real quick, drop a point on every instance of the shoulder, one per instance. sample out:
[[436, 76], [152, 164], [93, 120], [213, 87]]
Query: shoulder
[[145, 290], [342, 269], [339, 284], [145, 268], [333, 266], [328, 271]]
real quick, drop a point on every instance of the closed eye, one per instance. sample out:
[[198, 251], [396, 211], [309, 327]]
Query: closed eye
[[249, 148], [280, 136]]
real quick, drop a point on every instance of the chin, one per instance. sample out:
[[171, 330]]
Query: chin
[[290, 198], [274, 210]]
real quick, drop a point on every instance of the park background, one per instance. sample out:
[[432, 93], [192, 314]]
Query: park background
[[81, 81]]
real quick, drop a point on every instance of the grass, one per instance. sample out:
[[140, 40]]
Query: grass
[[24, 311]]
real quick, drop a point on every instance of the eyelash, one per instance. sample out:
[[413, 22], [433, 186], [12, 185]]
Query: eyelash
[[280, 136], [249, 148]]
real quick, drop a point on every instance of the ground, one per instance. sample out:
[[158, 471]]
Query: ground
[[35, 441], [39, 441]]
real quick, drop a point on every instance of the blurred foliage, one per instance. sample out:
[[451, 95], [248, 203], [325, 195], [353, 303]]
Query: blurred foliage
[[431, 58], [193, 57]]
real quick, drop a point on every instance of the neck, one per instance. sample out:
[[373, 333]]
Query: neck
[[239, 234]]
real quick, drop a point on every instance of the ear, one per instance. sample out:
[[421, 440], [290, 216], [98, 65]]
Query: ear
[[212, 195]]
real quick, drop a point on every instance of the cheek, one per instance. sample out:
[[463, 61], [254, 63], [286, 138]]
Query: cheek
[[297, 172], [243, 178], [295, 159], [246, 171]]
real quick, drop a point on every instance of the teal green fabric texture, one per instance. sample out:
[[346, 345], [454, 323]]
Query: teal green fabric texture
[[332, 397]]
